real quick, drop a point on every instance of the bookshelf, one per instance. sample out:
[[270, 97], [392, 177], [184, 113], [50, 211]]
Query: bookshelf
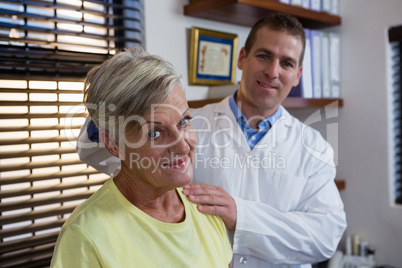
[[246, 12], [289, 103]]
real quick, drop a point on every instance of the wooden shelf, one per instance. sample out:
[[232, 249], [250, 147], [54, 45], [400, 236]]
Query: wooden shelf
[[247, 12], [341, 184], [289, 103], [302, 103]]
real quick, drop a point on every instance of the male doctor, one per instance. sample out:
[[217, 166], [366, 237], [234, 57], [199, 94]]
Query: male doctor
[[269, 176]]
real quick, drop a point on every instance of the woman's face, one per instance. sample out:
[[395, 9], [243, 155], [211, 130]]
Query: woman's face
[[161, 153]]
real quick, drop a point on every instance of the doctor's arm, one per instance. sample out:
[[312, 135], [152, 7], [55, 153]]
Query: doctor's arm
[[307, 234]]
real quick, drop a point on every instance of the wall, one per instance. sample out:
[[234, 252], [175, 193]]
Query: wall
[[364, 128], [363, 148], [168, 35]]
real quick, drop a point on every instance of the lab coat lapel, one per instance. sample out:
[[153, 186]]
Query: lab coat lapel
[[226, 123]]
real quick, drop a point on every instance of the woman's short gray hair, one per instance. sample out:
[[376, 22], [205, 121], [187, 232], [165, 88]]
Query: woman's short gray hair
[[124, 88]]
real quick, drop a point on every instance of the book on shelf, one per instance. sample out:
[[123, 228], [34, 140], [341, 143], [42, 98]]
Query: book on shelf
[[305, 4], [316, 62], [326, 6], [296, 2], [305, 87], [334, 7], [335, 63], [315, 5], [306, 77], [296, 91], [326, 81]]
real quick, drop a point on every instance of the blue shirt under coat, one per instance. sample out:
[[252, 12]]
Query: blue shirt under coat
[[252, 135]]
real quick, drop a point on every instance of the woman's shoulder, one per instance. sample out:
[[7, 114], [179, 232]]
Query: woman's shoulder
[[195, 215], [84, 213]]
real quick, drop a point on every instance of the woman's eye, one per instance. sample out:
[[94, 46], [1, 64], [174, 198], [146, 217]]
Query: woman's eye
[[154, 134], [185, 121]]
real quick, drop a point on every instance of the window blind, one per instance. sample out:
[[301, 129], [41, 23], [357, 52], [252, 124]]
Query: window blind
[[395, 38], [46, 49]]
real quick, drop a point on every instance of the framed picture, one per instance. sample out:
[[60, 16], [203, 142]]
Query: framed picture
[[212, 57]]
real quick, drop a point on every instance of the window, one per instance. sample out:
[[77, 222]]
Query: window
[[46, 49], [395, 38]]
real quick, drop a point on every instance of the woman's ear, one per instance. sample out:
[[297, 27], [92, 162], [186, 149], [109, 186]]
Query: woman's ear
[[109, 143]]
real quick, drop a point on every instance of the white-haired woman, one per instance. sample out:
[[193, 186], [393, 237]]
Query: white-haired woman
[[140, 218]]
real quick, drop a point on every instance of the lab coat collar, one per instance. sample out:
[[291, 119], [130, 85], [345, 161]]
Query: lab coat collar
[[280, 128]]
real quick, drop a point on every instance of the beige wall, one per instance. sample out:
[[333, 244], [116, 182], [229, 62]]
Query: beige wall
[[364, 125], [362, 143]]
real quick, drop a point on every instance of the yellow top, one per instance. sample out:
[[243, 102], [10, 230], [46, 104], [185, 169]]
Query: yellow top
[[108, 231]]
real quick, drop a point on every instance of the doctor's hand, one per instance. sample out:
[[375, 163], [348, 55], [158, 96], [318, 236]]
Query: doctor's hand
[[213, 200]]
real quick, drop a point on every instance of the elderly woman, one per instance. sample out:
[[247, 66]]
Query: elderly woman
[[140, 218]]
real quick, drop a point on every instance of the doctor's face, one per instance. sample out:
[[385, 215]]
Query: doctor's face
[[164, 159], [270, 70]]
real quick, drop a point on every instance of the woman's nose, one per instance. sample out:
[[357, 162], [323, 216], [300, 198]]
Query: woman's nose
[[180, 145]]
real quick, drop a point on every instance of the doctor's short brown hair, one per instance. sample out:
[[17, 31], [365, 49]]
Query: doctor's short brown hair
[[278, 22]]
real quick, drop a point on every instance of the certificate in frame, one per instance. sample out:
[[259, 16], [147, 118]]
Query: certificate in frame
[[212, 57]]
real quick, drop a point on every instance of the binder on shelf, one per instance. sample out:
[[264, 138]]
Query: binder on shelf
[[335, 7], [305, 87], [326, 80], [335, 64], [326, 6], [306, 77], [296, 2], [305, 4], [296, 91], [316, 60], [315, 5]]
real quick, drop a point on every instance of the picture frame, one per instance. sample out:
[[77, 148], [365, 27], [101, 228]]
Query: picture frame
[[212, 57]]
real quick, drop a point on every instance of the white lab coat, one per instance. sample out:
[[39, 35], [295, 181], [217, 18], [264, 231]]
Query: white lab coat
[[289, 212]]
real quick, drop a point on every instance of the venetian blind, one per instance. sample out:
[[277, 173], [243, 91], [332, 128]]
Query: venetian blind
[[46, 49], [395, 38]]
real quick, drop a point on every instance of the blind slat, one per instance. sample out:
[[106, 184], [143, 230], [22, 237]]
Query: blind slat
[[45, 189], [36, 30], [29, 258], [41, 103], [49, 115], [36, 128], [50, 91], [135, 5], [36, 227], [37, 152], [46, 54], [44, 201], [64, 20], [395, 37], [33, 165], [42, 177], [37, 214], [16, 245]]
